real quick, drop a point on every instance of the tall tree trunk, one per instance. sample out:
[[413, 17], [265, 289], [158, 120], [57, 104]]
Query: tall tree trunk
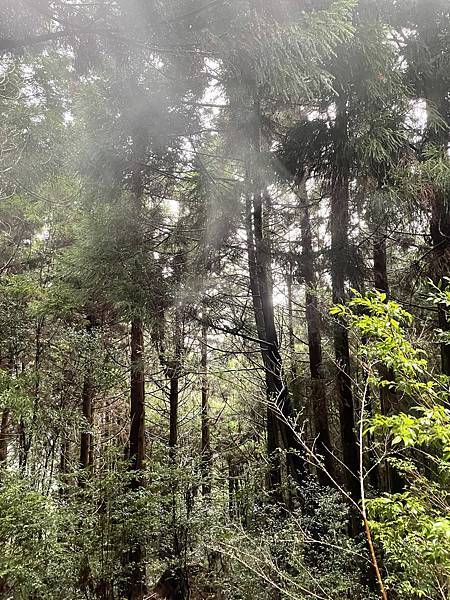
[[273, 444], [178, 551], [294, 379], [137, 401], [318, 390], [87, 408], [136, 588], [206, 439], [280, 410], [280, 434], [291, 333], [440, 219], [86, 436], [339, 225], [173, 410], [134, 560], [174, 375]]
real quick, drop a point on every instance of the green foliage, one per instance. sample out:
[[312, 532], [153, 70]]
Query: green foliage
[[136, 142], [383, 323], [32, 561], [304, 554], [413, 526]]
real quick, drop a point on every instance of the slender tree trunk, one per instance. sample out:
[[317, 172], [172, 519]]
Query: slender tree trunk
[[86, 436], [206, 441], [280, 410], [272, 362], [87, 407], [273, 444], [136, 588], [440, 222], [318, 391], [291, 334], [173, 407], [294, 379], [253, 276], [280, 434], [134, 559], [174, 375], [137, 400], [339, 225], [137, 378], [178, 529]]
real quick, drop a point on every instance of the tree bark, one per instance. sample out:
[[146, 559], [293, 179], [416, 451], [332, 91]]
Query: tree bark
[[294, 379], [318, 391], [274, 475], [137, 400], [339, 225], [86, 436], [134, 559], [440, 221], [280, 410], [136, 588], [280, 434], [206, 438], [174, 369], [87, 407]]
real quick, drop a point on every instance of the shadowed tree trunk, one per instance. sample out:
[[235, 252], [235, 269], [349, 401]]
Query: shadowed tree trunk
[[205, 442], [174, 372], [440, 217], [280, 410], [280, 434], [173, 409], [291, 334], [135, 588], [86, 436], [318, 390], [339, 225], [275, 387], [87, 408], [274, 477], [137, 400]]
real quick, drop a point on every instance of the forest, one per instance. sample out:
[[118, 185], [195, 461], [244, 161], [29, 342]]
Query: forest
[[224, 299]]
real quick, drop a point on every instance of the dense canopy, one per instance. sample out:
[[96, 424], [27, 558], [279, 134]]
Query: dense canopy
[[224, 299]]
